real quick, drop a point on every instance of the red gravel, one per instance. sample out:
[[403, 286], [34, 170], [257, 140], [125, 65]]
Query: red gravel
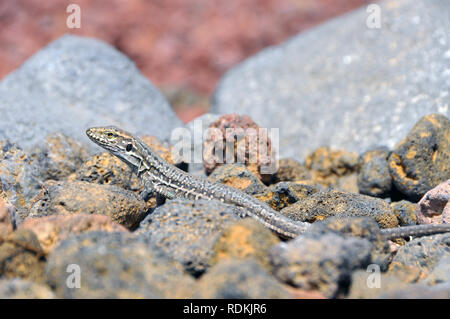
[[185, 43]]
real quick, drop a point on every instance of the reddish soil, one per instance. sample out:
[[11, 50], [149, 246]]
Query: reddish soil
[[176, 43]]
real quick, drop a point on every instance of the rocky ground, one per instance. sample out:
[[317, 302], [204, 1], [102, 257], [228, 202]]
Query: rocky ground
[[66, 205], [61, 206]]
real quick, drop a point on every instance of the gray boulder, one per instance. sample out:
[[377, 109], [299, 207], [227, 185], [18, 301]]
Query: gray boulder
[[75, 83], [345, 85]]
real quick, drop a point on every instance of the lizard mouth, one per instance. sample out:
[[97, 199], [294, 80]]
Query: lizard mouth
[[95, 134]]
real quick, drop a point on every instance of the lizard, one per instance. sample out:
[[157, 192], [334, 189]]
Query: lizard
[[163, 179]]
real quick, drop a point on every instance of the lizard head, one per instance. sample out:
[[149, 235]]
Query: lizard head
[[118, 142]]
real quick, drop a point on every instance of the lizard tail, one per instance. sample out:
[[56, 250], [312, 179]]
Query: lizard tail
[[416, 230]]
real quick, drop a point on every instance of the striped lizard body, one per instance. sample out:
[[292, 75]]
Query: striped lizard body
[[160, 177]]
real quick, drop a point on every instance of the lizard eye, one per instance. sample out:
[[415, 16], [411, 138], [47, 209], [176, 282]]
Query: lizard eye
[[109, 134], [129, 147]]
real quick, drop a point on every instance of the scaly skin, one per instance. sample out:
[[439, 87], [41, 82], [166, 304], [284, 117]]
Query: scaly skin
[[167, 180]]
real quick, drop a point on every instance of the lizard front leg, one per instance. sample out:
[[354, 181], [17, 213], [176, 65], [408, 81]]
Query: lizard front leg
[[149, 190], [149, 193]]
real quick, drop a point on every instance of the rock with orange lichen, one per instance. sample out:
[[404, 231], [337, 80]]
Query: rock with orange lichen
[[238, 176], [51, 230], [419, 291], [440, 272], [421, 160], [6, 227], [21, 255], [289, 170], [297, 293], [283, 194], [115, 265], [243, 239], [187, 230], [18, 288], [22, 173], [334, 168], [434, 207], [405, 212], [323, 263], [239, 279], [59, 156], [20, 177], [107, 169], [251, 145], [330, 202], [374, 178], [362, 227], [408, 274], [67, 198], [364, 283], [423, 253]]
